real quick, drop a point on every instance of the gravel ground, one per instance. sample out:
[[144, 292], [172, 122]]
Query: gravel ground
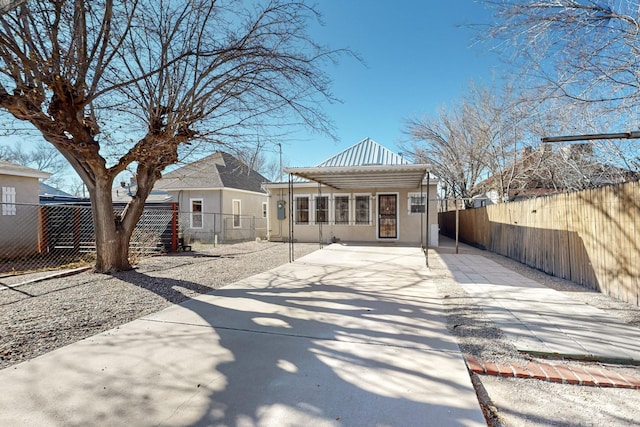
[[40, 317]]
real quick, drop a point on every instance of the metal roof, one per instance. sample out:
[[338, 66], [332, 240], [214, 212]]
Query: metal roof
[[365, 153], [366, 164], [361, 177]]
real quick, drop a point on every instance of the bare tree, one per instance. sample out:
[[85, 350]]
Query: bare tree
[[586, 51], [259, 161], [117, 85], [7, 5], [458, 160], [475, 139]]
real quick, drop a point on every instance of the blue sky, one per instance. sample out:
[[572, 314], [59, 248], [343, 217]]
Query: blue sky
[[418, 55]]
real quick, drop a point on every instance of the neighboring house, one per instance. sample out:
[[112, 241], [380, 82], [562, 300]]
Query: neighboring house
[[545, 171], [220, 199], [19, 221], [50, 195], [123, 193], [365, 193]]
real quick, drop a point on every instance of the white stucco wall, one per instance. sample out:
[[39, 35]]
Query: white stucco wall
[[19, 232]]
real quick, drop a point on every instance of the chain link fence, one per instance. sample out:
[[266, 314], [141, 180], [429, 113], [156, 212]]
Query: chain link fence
[[46, 237], [54, 236], [214, 228]]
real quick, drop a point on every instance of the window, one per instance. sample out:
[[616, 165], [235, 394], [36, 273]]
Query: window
[[196, 213], [416, 202], [363, 210], [236, 213], [322, 209], [8, 200], [341, 205], [264, 209], [302, 210]]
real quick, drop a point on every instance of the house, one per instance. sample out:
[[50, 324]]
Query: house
[[19, 219], [51, 195], [122, 193], [366, 193], [546, 171], [220, 199]]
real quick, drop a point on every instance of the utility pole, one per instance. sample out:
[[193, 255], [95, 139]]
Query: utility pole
[[280, 147]]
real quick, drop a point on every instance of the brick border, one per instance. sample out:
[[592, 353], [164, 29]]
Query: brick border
[[578, 375]]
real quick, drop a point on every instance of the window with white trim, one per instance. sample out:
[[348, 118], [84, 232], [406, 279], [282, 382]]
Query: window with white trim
[[237, 205], [302, 209], [8, 201], [417, 203], [341, 209], [322, 209], [196, 213], [363, 209]]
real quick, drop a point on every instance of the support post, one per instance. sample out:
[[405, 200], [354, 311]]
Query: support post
[[426, 246], [291, 220], [174, 227], [320, 236], [457, 224], [422, 243]]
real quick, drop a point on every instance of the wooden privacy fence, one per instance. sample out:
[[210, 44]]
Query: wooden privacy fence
[[589, 237]]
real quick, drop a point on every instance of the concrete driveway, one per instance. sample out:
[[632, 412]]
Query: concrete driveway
[[346, 336]]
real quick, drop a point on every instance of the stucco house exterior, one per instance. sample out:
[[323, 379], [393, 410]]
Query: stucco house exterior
[[19, 221], [220, 199], [366, 193]]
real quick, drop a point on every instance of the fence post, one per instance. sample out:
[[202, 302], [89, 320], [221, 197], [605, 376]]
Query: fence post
[[43, 236], [174, 227]]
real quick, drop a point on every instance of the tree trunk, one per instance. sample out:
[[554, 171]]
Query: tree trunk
[[112, 239]]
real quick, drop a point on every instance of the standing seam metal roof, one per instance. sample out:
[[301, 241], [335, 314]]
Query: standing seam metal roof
[[365, 153]]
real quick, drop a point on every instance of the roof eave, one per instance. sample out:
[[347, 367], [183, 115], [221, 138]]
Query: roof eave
[[371, 176]]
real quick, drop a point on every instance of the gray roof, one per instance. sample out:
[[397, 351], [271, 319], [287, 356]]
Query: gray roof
[[219, 170], [365, 153], [47, 190]]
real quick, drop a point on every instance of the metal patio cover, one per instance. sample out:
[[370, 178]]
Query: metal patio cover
[[363, 177]]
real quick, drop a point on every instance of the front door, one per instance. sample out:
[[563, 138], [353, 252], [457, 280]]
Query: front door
[[387, 216]]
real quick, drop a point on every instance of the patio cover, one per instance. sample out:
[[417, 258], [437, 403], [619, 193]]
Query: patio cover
[[370, 176]]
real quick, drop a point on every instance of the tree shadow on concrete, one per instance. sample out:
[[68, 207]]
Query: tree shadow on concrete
[[318, 344]]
